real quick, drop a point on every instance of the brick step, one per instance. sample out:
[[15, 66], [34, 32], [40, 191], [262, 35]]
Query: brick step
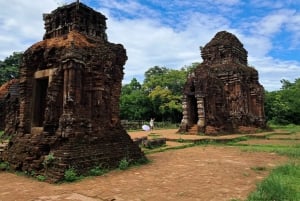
[[193, 130]]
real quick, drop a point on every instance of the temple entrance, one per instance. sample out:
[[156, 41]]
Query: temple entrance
[[193, 110], [39, 101]]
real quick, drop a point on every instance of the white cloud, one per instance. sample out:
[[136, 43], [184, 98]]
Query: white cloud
[[149, 43], [293, 25], [271, 4], [21, 24], [257, 46], [273, 23], [171, 35], [272, 70], [127, 7]]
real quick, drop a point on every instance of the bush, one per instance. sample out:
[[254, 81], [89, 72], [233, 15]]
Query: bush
[[48, 160], [97, 171], [70, 175], [123, 164], [4, 166], [41, 177], [141, 161]]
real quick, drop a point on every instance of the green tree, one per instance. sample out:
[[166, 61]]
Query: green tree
[[154, 77], [134, 102], [159, 96], [291, 96], [165, 87], [167, 78], [9, 68], [283, 106], [165, 104]]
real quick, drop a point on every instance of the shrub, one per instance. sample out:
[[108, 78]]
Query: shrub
[[123, 164], [48, 160], [4, 166], [70, 175], [41, 177], [97, 171], [141, 161]]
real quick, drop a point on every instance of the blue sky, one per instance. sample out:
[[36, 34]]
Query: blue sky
[[169, 32]]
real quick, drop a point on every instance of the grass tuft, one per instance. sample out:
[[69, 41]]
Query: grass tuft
[[70, 175], [282, 184]]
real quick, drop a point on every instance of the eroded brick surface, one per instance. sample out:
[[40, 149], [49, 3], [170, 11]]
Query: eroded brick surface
[[223, 93], [9, 107], [69, 86]]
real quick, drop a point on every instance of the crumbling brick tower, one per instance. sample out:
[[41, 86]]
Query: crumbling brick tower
[[9, 107], [223, 94], [70, 84]]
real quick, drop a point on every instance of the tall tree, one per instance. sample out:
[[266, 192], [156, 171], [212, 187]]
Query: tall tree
[[283, 106], [167, 78], [159, 96], [165, 104], [134, 102], [9, 68], [165, 87]]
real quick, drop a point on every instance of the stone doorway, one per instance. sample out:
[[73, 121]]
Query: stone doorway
[[193, 110], [39, 101]]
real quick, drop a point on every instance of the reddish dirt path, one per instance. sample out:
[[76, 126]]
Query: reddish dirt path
[[197, 173]]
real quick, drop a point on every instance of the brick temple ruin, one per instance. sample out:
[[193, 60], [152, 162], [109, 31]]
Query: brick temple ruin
[[9, 107], [69, 89], [223, 94]]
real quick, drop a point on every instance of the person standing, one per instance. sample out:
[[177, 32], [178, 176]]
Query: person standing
[[151, 123]]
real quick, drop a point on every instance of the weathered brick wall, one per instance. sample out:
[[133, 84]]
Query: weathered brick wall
[[70, 85], [9, 107], [223, 94]]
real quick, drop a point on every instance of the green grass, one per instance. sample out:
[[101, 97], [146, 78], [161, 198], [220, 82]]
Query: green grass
[[71, 175], [154, 135], [290, 127], [4, 166], [282, 184], [239, 139], [124, 164], [98, 171], [40, 177], [290, 151]]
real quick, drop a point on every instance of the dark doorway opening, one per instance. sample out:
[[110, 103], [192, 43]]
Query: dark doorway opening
[[39, 103], [193, 110]]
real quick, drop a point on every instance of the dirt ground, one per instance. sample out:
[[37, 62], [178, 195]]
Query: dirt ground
[[195, 173]]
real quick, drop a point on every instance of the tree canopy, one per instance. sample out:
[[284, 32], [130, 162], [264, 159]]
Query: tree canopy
[[9, 68], [283, 106], [159, 95]]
